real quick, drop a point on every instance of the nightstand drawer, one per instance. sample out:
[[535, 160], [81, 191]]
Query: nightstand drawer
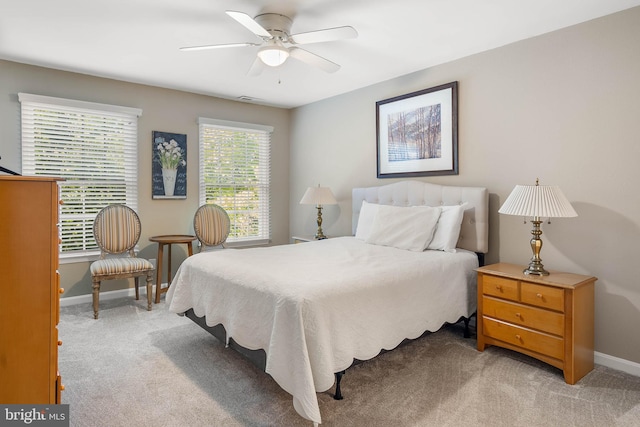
[[522, 315], [542, 296], [524, 338], [500, 287]]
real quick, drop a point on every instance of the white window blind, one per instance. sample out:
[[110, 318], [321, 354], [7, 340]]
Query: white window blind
[[94, 147], [235, 164]]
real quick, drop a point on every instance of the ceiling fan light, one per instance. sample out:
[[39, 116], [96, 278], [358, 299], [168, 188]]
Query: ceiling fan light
[[273, 56]]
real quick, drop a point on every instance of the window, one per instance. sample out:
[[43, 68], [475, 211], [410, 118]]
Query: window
[[235, 174], [94, 148]]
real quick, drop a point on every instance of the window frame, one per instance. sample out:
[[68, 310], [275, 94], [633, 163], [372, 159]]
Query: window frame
[[264, 236], [72, 118]]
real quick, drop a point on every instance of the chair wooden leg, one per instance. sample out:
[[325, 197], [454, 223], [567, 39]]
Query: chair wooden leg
[[96, 297], [149, 289], [137, 289]]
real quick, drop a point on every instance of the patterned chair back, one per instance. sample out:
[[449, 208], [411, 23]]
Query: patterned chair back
[[117, 230], [211, 225]]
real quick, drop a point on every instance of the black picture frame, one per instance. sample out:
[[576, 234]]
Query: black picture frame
[[417, 133]]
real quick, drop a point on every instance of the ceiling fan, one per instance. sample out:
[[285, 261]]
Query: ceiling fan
[[278, 44]]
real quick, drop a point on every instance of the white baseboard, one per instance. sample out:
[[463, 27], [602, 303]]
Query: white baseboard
[[612, 362], [104, 296]]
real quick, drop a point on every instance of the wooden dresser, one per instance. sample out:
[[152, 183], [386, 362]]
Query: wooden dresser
[[29, 291], [546, 317]]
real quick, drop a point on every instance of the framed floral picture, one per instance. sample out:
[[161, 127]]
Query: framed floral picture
[[169, 165], [417, 133]]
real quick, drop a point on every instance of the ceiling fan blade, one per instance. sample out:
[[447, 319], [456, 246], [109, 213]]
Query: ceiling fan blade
[[330, 34], [256, 68], [249, 23], [313, 59], [218, 46]]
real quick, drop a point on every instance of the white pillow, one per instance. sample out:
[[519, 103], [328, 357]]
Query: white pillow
[[404, 227], [447, 231], [365, 219]]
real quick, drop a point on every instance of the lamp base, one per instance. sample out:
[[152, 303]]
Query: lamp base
[[535, 266], [319, 234], [535, 269]]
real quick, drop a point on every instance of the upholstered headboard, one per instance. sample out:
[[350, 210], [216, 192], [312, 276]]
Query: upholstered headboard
[[474, 233]]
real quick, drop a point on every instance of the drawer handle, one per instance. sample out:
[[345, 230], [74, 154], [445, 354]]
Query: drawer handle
[[498, 287], [518, 337], [518, 315], [539, 296]]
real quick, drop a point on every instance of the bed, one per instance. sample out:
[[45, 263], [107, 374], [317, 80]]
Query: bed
[[312, 309]]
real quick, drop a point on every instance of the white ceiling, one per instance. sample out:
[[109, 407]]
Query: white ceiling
[[138, 40]]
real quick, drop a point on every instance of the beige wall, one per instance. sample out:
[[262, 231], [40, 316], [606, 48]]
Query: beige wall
[[163, 110], [563, 107]]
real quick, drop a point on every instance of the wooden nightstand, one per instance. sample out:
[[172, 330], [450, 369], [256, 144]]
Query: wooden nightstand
[[302, 239], [546, 317]]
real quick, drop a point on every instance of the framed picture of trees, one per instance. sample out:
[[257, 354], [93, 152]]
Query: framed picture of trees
[[417, 133]]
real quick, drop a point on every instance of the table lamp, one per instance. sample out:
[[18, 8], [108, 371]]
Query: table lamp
[[318, 196], [537, 202]]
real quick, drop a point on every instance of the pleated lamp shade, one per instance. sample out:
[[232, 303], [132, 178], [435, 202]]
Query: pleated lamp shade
[[318, 196], [538, 201]]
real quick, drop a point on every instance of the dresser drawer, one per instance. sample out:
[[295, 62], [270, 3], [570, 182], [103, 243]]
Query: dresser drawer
[[522, 315], [535, 341], [500, 287], [59, 389], [542, 296]]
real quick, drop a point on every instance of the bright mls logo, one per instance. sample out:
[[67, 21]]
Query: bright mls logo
[[35, 415]]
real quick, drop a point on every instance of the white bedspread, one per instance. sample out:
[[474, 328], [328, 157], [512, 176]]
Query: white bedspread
[[314, 307]]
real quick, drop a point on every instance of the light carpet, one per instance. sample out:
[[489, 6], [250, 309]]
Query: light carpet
[[132, 367]]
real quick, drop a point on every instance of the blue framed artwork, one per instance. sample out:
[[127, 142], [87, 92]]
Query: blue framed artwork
[[169, 165]]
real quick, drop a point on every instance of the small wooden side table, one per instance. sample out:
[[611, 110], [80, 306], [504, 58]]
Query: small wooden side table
[[168, 240]]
